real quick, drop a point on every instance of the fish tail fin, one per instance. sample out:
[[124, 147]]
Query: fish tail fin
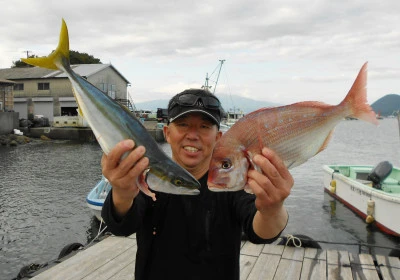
[[357, 98], [58, 58]]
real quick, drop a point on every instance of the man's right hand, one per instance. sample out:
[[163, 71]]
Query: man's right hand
[[123, 174]]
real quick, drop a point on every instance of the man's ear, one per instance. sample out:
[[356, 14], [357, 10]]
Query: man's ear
[[166, 133], [219, 134]]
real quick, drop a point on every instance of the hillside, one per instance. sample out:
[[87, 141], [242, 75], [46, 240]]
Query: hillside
[[386, 105], [229, 102]]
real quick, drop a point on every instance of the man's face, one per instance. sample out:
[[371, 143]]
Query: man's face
[[192, 139]]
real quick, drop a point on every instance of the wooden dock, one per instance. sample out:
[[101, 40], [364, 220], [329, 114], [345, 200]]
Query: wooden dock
[[114, 258]]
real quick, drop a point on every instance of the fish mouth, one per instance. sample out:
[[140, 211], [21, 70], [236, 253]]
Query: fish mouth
[[217, 187]]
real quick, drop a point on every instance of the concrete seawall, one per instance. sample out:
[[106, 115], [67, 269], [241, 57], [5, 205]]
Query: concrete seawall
[[83, 134], [8, 121]]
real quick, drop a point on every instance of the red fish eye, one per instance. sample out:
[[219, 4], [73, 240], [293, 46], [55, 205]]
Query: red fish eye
[[226, 165]]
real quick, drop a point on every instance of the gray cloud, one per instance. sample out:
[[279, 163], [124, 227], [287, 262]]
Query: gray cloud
[[267, 44]]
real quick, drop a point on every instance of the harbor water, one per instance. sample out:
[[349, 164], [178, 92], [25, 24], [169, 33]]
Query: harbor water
[[43, 186]]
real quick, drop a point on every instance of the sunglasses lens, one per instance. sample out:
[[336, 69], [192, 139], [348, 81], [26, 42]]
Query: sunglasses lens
[[191, 100], [187, 99], [210, 102]]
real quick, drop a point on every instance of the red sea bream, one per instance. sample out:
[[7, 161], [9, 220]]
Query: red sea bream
[[295, 132]]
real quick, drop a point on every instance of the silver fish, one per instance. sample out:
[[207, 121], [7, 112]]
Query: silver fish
[[112, 123]]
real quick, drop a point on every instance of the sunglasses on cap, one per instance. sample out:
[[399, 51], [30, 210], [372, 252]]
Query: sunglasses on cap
[[209, 102]]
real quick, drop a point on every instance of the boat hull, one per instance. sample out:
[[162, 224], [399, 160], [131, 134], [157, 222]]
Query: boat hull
[[96, 210], [96, 197], [359, 195]]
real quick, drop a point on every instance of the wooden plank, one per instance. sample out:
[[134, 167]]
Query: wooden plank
[[246, 265], [251, 249], [313, 269], [265, 267], [293, 253], [288, 269], [114, 266], [338, 265], [273, 249], [89, 260], [127, 273], [363, 267], [315, 254], [389, 266]]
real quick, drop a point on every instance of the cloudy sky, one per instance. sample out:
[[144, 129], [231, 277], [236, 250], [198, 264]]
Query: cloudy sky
[[278, 51]]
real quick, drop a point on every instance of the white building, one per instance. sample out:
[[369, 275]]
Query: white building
[[45, 92]]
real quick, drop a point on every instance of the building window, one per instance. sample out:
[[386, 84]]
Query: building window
[[111, 91], [103, 87], [43, 86], [19, 87]]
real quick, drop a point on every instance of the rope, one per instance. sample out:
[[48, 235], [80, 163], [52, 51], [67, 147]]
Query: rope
[[294, 239], [98, 234]]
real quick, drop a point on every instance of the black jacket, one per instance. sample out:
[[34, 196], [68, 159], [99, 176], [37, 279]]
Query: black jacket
[[187, 237]]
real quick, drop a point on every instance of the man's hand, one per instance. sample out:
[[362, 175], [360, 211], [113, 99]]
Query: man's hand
[[271, 188], [123, 174]]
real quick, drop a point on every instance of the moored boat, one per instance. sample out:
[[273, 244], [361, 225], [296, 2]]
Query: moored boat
[[95, 198], [232, 117], [371, 192]]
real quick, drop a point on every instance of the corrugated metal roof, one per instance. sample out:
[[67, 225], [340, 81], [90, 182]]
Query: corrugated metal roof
[[85, 70], [23, 73], [6, 82]]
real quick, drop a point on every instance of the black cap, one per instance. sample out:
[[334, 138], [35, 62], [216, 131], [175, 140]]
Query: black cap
[[195, 100]]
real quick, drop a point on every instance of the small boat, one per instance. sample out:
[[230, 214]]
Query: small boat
[[233, 116], [223, 127], [95, 198], [371, 192]]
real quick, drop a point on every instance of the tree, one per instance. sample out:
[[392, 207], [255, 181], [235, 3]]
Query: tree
[[82, 58], [21, 64], [74, 57]]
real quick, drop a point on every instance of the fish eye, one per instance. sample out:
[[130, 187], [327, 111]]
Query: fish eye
[[226, 164], [178, 182]]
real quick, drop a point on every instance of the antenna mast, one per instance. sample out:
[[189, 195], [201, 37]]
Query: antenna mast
[[219, 72]]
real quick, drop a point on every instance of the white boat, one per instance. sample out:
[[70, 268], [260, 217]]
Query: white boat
[[95, 198], [223, 127], [232, 117], [371, 192]]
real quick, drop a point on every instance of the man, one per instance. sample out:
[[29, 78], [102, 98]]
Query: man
[[193, 237]]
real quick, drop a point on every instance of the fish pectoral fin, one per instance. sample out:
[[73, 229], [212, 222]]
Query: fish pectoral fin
[[143, 186], [291, 164], [249, 156], [326, 142], [248, 189], [80, 113]]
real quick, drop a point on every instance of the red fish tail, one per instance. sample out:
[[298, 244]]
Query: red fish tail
[[356, 99]]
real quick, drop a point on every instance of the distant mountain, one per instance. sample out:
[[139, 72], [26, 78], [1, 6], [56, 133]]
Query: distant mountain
[[152, 105], [229, 102], [386, 105]]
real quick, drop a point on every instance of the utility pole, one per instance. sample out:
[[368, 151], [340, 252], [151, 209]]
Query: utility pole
[[27, 53]]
